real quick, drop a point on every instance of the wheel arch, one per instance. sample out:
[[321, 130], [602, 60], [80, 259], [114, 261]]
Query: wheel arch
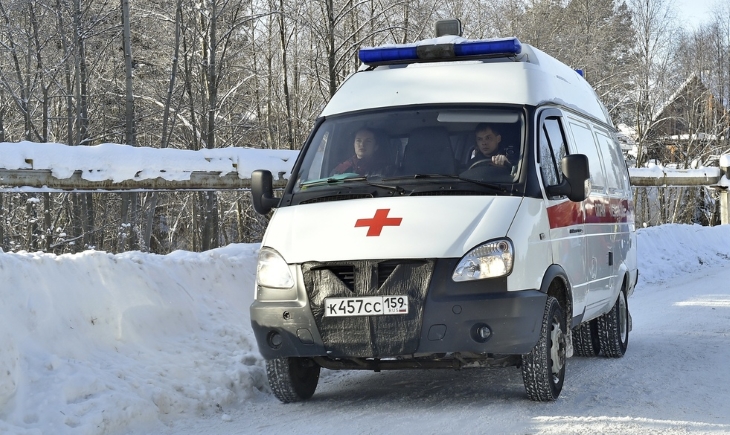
[[628, 283], [555, 283]]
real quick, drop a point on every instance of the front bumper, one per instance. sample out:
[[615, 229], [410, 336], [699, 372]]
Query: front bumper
[[443, 316]]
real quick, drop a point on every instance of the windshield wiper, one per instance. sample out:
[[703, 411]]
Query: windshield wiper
[[331, 180], [493, 186], [335, 179]]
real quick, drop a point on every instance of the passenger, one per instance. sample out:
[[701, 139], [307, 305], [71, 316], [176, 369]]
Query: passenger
[[488, 138], [366, 160]]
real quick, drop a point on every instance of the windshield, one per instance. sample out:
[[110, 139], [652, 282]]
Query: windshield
[[415, 145]]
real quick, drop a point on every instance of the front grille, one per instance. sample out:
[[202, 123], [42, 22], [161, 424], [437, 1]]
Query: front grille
[[385, 269], [369, 336], [343, 272]]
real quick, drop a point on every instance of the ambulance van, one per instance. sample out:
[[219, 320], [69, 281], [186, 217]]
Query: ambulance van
[[399, 244]]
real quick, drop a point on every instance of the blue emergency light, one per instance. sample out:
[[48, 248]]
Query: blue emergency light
[[376, 55], [453, 50]]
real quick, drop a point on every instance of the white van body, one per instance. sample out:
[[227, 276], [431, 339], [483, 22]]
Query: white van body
[[535, 269]]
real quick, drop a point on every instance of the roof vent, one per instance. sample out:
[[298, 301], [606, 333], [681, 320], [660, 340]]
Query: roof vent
[[448, 27]]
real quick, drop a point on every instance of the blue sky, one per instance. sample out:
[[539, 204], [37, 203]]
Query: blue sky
[[693, 13]]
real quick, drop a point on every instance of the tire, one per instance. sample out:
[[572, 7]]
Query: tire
[[292, 379], [585, 339], [543, 369], [613, 328]]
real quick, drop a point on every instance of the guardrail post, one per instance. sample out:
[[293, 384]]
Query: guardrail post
[[724, 193]]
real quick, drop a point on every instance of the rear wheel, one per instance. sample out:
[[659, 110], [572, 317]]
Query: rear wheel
[[585, 339], [613, 328], [292, 379], [543, 369]]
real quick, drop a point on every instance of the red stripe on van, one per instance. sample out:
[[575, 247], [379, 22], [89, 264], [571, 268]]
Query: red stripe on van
[[594, 210], [565, 214]]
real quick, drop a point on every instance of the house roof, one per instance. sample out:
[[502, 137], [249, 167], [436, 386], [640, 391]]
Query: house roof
[[694, 84], [694, 77]]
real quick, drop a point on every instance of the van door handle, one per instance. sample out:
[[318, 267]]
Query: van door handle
[[575, 230]]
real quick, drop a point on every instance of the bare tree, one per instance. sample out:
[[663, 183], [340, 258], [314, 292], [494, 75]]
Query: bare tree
[[257, 73], [129, 200], [653, 21]]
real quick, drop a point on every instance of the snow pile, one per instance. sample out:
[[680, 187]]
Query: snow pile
[[95, 343], [671, 250]]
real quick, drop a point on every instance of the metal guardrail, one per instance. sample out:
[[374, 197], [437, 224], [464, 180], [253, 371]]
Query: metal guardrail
[[716, 178], [663, 177], [42, 180]]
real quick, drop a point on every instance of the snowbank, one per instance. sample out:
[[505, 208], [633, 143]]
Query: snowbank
[[672, 250], [96, 343]]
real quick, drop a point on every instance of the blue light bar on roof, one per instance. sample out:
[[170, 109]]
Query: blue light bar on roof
[[425, 52], [377, 55], [487, 47]]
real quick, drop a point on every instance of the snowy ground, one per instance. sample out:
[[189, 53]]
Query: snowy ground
[[145, 344]]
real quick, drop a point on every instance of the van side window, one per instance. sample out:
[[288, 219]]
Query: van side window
[[616, 173], [552, 151], [586, 144], [317, 163], [318, 160]]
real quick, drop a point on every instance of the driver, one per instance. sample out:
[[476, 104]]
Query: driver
[[488, 137]]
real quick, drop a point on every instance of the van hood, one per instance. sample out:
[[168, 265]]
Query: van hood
[[385, 228]]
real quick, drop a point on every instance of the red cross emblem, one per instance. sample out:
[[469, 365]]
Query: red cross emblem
[[379, 221]]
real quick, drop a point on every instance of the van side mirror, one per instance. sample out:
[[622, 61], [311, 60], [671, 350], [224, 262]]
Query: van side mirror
[[575, 173], [262, 191]]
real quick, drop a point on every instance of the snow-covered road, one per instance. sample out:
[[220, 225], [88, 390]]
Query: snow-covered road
[[674, 379]]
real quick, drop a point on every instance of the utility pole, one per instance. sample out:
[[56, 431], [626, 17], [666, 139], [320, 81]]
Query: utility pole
[[725, 192]]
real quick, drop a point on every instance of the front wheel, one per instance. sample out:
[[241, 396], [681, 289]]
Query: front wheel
[[292, 379], [613, 328], [543, 369]]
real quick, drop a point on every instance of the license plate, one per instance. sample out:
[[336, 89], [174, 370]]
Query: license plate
[[365, 306]]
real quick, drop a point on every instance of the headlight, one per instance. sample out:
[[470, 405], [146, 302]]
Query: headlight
[[272, 270], [489, 260]]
